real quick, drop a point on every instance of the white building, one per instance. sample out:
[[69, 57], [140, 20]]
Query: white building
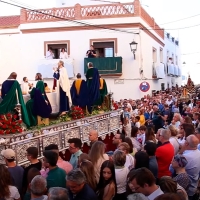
[[110, 27]]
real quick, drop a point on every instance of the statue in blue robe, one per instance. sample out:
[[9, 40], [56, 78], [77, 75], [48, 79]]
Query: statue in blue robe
[[79, 92], [93, 84], [38, 107]]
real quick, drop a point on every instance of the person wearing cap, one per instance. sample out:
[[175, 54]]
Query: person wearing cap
[[15, 171], [178, 163]]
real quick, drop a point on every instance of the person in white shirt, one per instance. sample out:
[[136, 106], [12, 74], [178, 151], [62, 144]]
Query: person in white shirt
[[174, 139], [176, 120], [142, 181], [130, 162], [169, 100], [121, 172], [63, 54], [49, 54], [26, 86]]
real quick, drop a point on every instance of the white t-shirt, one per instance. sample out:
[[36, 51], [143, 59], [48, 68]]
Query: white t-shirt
[[137, 124], [130, 162], [14, 194], [24, 87], [63, 55], [121, 178], [175, 143]]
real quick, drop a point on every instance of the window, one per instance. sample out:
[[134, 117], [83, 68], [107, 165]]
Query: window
[[172, 58], [105, 47], [161, 55], [167, 56], [154, 54], [56, 47], [162, 86], [176, 60]]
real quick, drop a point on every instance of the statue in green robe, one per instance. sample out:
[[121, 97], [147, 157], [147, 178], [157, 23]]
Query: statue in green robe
[[12, 95]]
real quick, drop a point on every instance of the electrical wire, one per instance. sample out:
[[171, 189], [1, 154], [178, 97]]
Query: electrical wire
[[93, 25], [178, 20]]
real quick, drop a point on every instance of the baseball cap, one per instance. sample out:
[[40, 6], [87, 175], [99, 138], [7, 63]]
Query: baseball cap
[[8, 154]]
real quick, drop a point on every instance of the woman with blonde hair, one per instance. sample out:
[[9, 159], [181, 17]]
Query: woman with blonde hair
[[142, 117], [97, 156], [130, 162], [87, 168], [174, 139]]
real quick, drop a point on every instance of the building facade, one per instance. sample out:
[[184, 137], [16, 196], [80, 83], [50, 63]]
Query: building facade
[[110, 28]]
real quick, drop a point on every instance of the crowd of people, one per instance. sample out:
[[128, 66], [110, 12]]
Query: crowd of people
[[156, 157]]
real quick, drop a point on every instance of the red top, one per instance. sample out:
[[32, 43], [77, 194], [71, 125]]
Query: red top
[[164, 156]]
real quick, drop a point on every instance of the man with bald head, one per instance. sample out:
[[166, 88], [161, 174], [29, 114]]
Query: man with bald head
[[11, 94], [192, 154], [93, 137]]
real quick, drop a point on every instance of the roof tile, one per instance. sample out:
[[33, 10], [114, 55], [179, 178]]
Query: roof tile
[[9, 21]]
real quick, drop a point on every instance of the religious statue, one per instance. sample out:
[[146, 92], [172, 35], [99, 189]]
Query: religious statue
[[38, 107], [79, 92], [93, 84], [61, 75], [11, 94]]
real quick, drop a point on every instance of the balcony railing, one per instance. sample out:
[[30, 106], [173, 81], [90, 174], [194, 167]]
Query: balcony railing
[[158, 70], [111, 66], [79, 12]]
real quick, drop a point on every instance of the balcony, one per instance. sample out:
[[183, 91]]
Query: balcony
[[45, 67], [173, 70], [111, 66], [158, 70]]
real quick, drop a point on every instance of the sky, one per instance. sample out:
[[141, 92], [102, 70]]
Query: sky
[[163, 11]]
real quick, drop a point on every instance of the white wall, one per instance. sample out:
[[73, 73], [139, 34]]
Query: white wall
[[21, 53], [10, 60]]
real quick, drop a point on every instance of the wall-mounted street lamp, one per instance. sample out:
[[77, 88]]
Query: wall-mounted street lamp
[[133, 46]]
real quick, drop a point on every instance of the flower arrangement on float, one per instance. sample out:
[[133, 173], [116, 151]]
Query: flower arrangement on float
[[77, 113], [10, 124]]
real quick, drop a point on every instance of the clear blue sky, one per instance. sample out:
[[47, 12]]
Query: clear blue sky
[[163, 11]]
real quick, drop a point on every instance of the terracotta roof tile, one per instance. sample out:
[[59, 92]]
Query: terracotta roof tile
[[9, 21]]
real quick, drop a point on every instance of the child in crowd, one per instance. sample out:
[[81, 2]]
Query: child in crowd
[[165, 125], [137, 121], [141, 135], [126, 113]]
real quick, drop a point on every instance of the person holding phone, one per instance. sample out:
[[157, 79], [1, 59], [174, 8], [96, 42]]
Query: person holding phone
[[91, 53]]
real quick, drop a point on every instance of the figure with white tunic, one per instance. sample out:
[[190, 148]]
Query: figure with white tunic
[[63, 87], [26, 86], [63, 54]]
